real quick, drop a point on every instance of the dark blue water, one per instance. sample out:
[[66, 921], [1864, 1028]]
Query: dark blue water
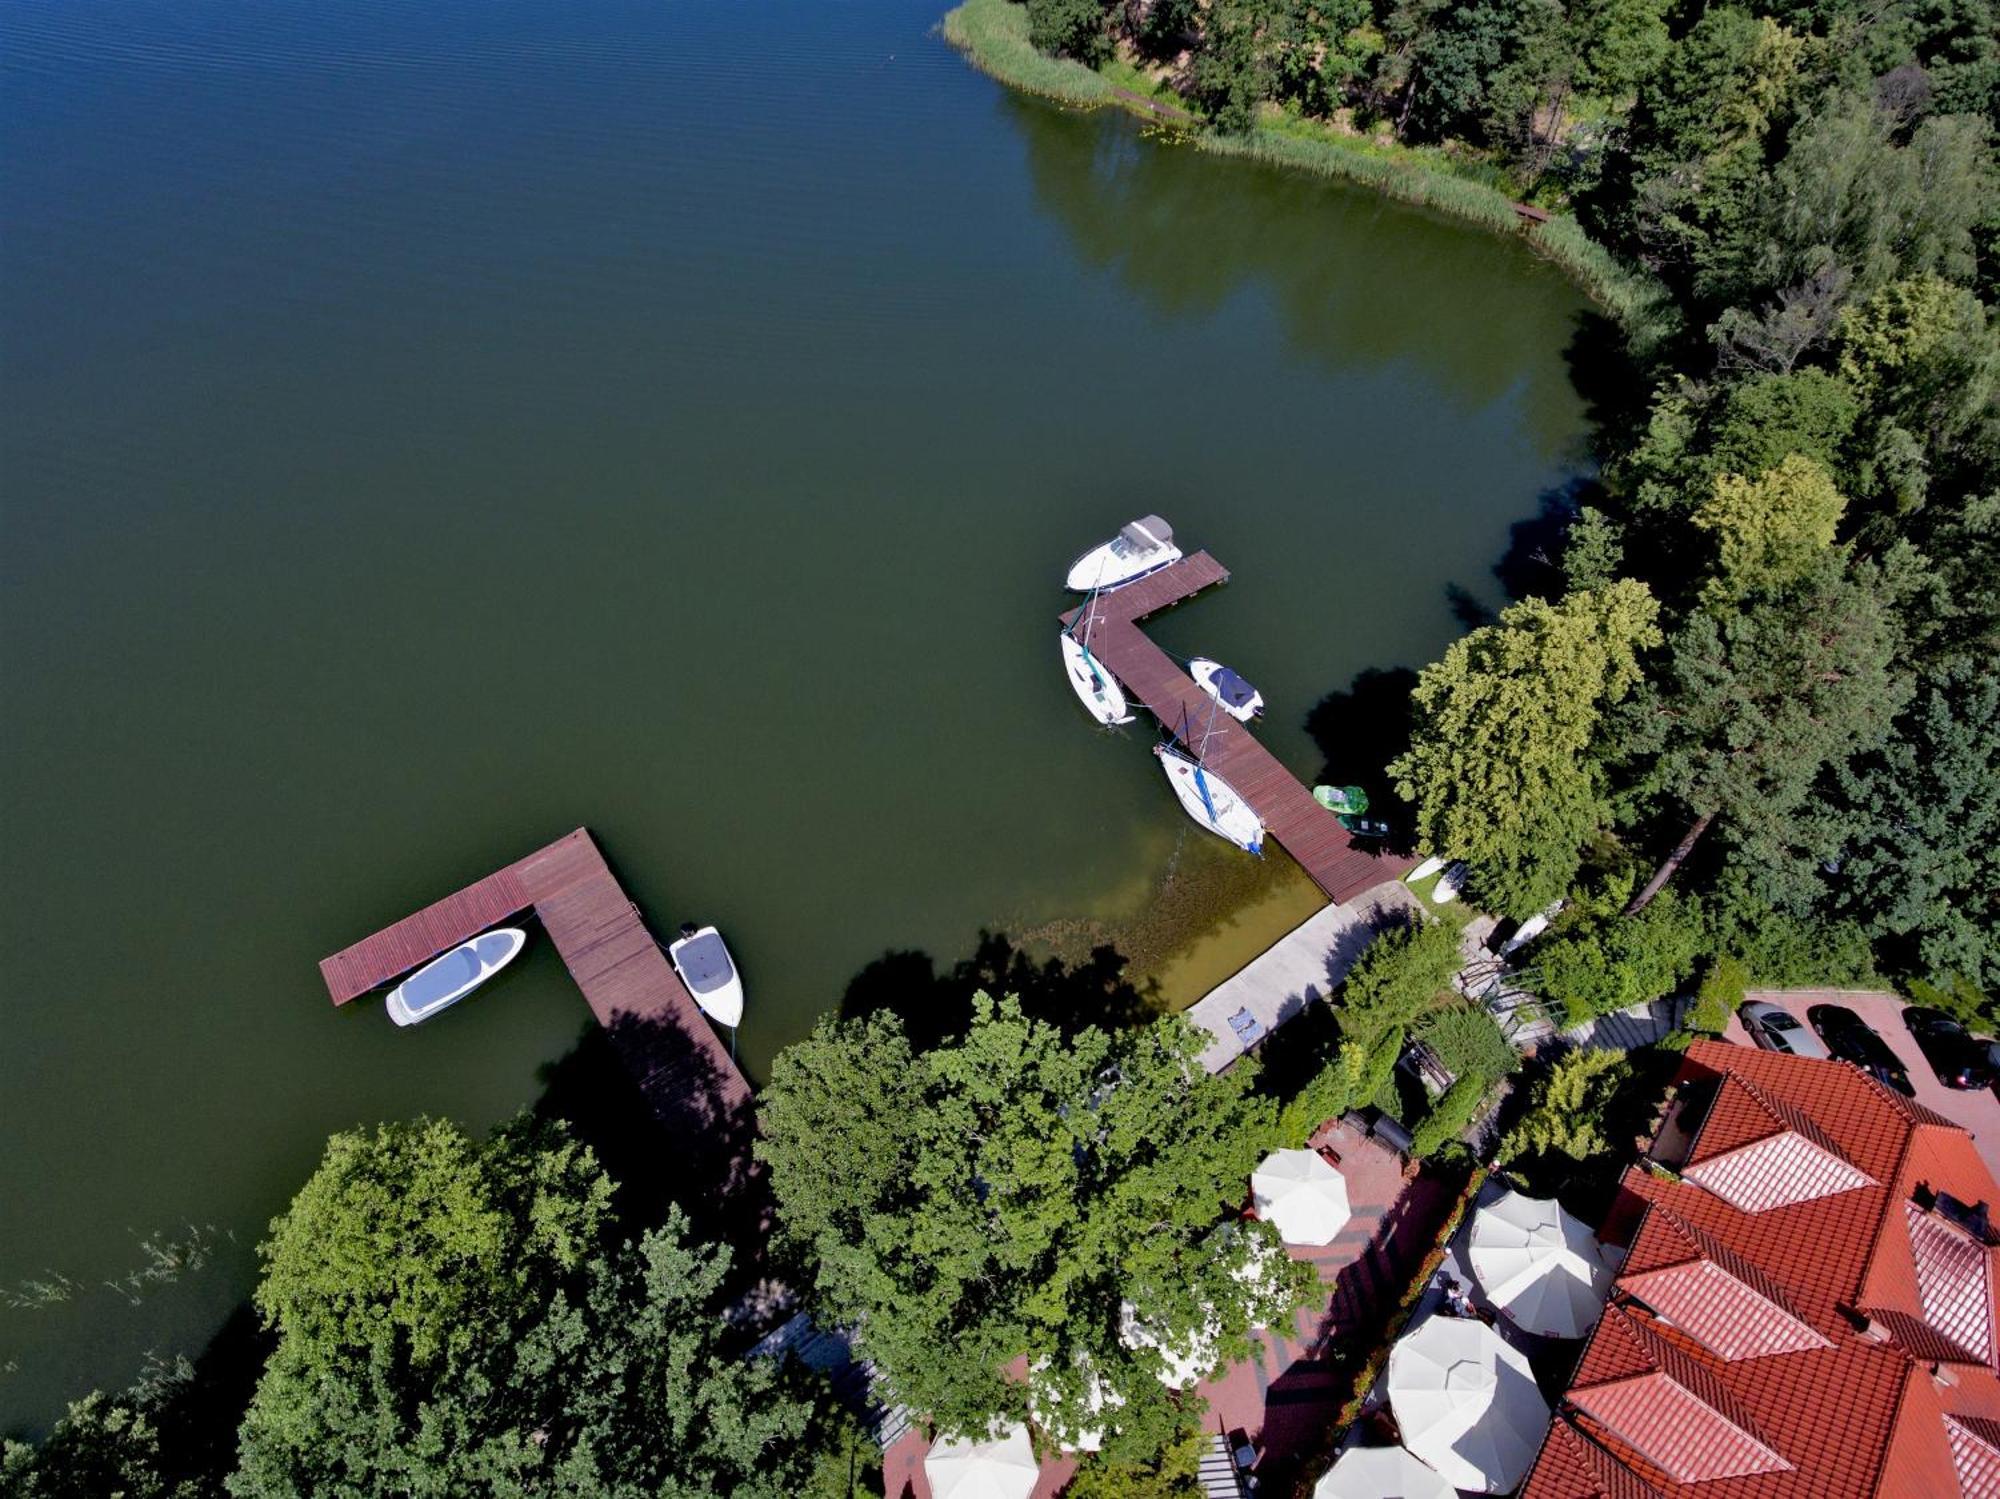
[[425, 428]]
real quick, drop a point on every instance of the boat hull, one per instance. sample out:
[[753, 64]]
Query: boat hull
[[1101, 569], [445, 980], [1203, 671], [1211, 801], [1102, 698]]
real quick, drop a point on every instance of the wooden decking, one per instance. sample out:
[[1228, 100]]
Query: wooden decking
[[630, 986], [1310, 834]]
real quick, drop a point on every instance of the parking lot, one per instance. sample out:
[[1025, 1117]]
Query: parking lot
[[1978, 1110]]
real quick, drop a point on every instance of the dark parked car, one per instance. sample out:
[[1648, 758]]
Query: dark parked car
[[1848, 1037], [1775, 1029], [1957, 1059]]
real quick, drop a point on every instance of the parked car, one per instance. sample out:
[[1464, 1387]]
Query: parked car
[[1776, 1029], [1957, 1059], [1848, 1037]]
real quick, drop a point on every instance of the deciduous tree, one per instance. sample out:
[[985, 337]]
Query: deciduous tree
[[1499, 770]]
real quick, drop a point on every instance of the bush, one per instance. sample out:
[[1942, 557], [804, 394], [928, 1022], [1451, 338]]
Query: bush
[[1470, 1043], [1783, 952], [1566, 1115], [1720, 995], [1354, 1076], [1449, 1116], [1398, 977], [1606, 962], [1070, 28]]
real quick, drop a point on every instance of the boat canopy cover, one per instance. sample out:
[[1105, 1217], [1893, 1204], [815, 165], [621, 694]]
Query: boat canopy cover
[[1148, 532], [448, 974], [1232, 689], [704, 963]]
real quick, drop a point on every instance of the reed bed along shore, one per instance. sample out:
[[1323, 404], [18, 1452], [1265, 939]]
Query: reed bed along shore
[[993, 36]]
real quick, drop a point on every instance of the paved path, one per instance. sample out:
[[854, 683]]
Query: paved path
[[1304, 965]]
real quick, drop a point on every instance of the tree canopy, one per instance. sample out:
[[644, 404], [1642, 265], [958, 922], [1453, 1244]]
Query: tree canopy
[[452, 1317], [1016, 1194], [1499, 771]]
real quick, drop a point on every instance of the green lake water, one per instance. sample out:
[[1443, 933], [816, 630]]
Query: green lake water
[[426, 428]]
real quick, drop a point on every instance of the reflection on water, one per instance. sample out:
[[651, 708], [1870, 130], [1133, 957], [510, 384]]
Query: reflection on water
[[1358, 281]]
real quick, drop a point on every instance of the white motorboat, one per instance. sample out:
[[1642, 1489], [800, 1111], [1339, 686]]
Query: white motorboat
[[443, 982], [1210, 801], [702, 960], [1095, 687], [1239, 699], [1144, 546]]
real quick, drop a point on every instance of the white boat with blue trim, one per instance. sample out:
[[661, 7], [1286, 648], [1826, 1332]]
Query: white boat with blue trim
[[702, 960], [1237, 697]]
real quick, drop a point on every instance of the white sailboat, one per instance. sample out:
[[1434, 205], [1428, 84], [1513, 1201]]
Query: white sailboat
[[1096, 688], [1210, 800]]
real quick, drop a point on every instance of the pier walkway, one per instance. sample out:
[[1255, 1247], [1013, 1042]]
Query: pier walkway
[[1310, 834], [680, 1063]]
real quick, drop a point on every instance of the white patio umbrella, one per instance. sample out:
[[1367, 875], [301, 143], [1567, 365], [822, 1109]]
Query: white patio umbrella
[[1539, 1265], [1382, 1473], [983, 1467], [1302, 1196], [1466, 1403]]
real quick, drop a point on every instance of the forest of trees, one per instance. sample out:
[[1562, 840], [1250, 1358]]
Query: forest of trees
[[1761, 675]]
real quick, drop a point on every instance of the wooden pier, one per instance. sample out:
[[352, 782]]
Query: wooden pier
[[680, 1063], [1310, 834]]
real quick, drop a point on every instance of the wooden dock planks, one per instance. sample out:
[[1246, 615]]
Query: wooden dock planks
[[626, 979], [1309, 833]]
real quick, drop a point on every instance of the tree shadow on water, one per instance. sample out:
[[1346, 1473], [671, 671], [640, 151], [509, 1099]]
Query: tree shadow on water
[[1359, 732], [937, 1006], [668, 1124]]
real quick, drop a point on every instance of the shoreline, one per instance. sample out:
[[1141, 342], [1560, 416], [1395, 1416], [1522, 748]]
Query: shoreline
[[992, 35]]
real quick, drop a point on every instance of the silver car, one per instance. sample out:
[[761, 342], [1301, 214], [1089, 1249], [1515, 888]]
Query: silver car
[[1775, 1029]]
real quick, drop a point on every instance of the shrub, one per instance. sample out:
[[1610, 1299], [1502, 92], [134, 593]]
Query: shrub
[[1720, 995], [1607, 962], [1449, 1116], [1470, 1043], [1398, 977], [1566, 1116]]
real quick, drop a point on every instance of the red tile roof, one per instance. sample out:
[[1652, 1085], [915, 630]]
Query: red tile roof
[[1803, 1312], [1975, 1455]]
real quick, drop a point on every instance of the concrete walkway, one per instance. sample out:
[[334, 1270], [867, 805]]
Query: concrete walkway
[[1304, 965]]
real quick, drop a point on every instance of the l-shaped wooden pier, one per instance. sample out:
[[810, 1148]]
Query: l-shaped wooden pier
[[1310, 834], [679, 1061]]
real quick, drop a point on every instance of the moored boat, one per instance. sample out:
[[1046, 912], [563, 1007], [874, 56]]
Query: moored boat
[[1238, 698], [443, 982], [702, 959], [1210, 800], [1096, 688], [1142, 546]]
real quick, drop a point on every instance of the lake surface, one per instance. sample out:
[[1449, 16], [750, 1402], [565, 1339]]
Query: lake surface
[[429, 427]]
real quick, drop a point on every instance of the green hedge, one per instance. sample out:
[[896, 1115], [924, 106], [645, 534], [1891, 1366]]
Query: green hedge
[[1449, 1116]]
